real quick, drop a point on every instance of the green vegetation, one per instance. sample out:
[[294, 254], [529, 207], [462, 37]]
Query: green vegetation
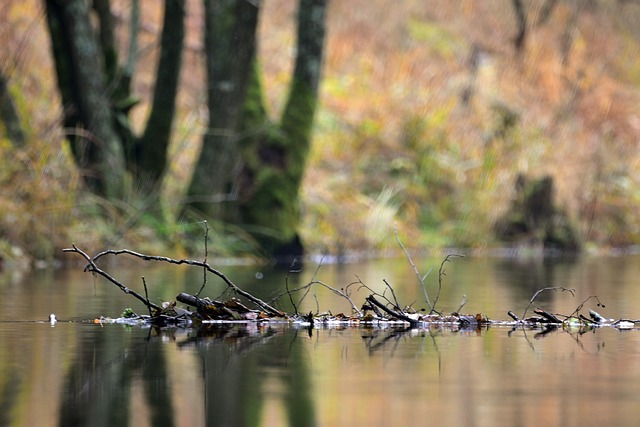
[[427, 116]]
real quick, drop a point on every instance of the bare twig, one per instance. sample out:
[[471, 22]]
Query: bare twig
[[339, 292], [581, 305], [92, 267], [441, 274], [381, 295], [306, 288], [206, 255], [539, 291], [146, 295], [396, 304], [462, 303], [286, 285], [421, 278]]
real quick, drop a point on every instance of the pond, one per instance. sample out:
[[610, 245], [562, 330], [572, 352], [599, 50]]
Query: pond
[[83, 373]]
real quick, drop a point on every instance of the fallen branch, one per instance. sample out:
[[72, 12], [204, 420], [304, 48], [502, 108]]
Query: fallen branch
[[400, 316], [386, 308], [93, 267], [550, 317]]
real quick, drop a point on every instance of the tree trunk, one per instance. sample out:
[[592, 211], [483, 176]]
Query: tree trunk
[[118, 79], [107, 37], [230, 39], [151, 150], [81, 78], [251, 164], [274, 162]]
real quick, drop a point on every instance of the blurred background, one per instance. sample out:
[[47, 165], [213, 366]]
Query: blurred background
[[479, 125]]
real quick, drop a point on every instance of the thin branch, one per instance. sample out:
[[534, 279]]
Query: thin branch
[[331, 288], [415, 269], [381, 295], [257, 301], [286, 285], [146, 295], [539, 291], [206, 254], [441, 274], [462, 303], [340, 293], [397, 304], [93, 268], [581, 305]]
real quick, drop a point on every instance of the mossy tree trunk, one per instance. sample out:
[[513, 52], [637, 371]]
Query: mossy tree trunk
[[274, 161], [230, 40], [250, 169]]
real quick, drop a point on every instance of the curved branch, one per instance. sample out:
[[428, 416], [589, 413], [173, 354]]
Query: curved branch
[[92, 267], [257, 301]]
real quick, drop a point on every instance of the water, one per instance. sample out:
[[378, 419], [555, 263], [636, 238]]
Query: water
[[81, 373]]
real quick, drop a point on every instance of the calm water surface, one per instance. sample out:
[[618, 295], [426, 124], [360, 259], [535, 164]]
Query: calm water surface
[[78, 373]]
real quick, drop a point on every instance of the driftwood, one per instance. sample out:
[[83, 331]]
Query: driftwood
[[231, 309], [92, 267], [545, 314], [392, 313], [377, 308]]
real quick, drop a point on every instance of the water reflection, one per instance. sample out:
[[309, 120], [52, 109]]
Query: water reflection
[[252, 375], [234, 373], [244, 366], [525, 276], [85, 374], [104, 373]]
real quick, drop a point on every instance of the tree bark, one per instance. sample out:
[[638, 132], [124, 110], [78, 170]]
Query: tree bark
[[230, 42], [107, 37], [151, 149], [81, 78], [274, 162], [118, 79], [251, 164]]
